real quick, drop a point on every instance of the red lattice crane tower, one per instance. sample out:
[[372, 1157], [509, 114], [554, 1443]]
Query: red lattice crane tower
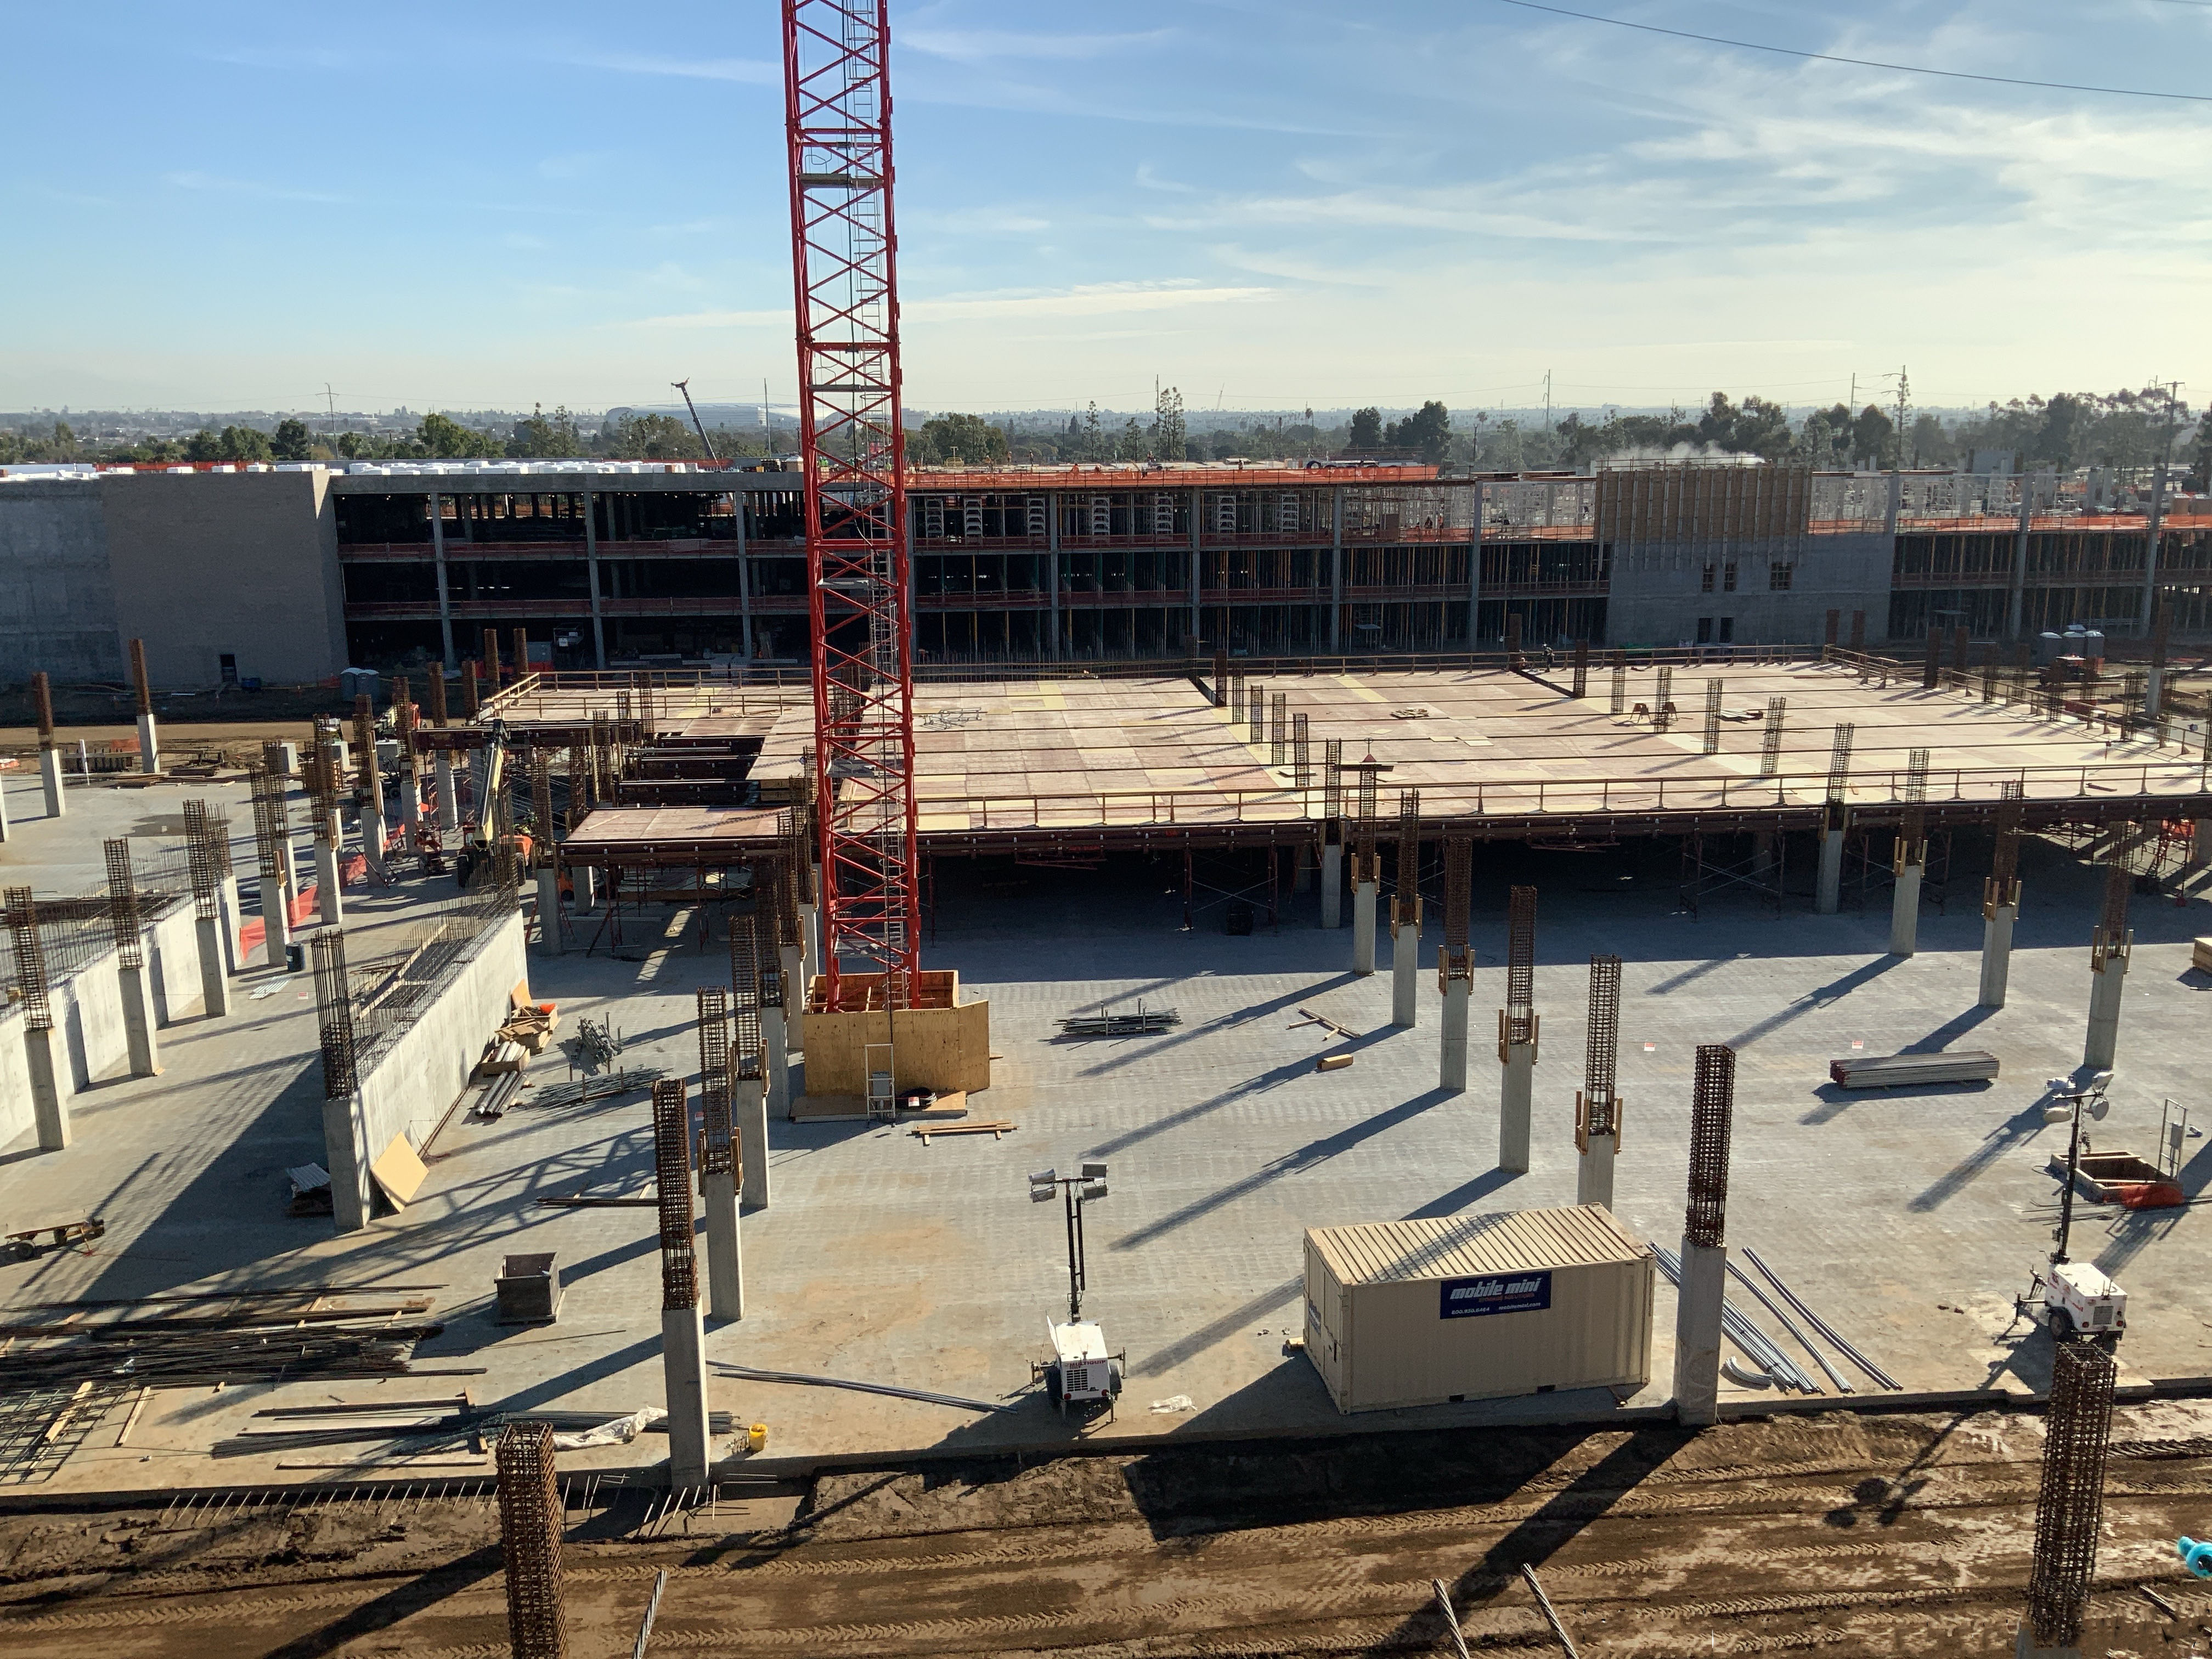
[[837, 111]]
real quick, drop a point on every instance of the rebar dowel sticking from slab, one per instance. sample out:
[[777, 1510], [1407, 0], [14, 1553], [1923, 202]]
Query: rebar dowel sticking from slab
[[1839, 762], [1769, 740], [1711, 1113], [122, 906], [2070, 1506], [1619, 691], [1712, 740], [1520, 966], [1455, 961], [717, 1155], [529, 1513], [1597, 1109]]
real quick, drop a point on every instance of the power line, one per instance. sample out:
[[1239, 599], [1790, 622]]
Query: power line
[[1860, 62]]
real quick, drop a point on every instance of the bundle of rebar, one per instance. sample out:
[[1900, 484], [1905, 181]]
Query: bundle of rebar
[[1113, 1025], [1755, 1344], [579, 1090], [1819, 1326], [258, 1345]]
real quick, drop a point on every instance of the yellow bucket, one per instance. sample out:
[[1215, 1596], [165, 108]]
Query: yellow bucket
[[757, 1437]]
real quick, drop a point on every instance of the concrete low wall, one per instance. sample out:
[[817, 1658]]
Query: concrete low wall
[[172, 957], [411, 1080], [88, 1014], [17, 1116]]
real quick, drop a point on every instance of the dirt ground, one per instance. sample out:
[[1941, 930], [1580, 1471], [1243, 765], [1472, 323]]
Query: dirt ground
[[1844, 1533]]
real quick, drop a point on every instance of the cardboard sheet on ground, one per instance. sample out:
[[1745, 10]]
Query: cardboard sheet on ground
[[398, 1173]]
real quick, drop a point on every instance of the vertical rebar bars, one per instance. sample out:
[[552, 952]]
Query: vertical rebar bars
[[2069, 1505], [138, 676], [2004, 863], [200, 860], [334, 1013], [122, 906], [1581, 669], [530, 1512], [1406, 879], [1332, 779], [271, 823], [1279, 723], [1620, 681], [717, 1139], [747, 962], [1770, 741], [1839, 762], [30, 959], [1455, 961], [1663, 699], [1712, 1110], [1520, 1015], [1597, 1111], [671, 1156], [1712, 735]]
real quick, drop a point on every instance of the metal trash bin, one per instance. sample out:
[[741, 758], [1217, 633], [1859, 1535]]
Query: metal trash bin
[[296, 958], [529, 1289]]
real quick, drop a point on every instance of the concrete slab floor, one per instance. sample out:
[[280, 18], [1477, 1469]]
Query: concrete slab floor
[[1909, 1222]]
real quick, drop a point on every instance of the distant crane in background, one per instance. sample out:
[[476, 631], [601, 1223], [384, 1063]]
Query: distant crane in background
[[705, 442], [837, 115]]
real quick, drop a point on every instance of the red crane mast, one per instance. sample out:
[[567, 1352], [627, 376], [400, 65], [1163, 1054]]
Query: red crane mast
[[837, 111]]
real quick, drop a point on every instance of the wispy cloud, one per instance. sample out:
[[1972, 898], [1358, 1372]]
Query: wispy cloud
[[208, 182], [1089, 299], [750, 71], [981, 46]]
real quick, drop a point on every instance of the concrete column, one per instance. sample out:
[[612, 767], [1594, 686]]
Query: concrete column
[[1332, 884], [3, 813], [330, 903], [411, 794], [794, 960], [1451, 1068], [50, 775], [1517, 1081], [775, 1062], [584, 879], [1301, 869], [275, 905], [810, 948], [449, 798], [2106, 984], [48, 1109], [1762, 854], [549, 912], [2024, 1646], [1594, 1172], [233, 916], [149, 748], [1697, 1333], [136, 996], [725, 1256], [1997, 951], [1362, 928], [683, 1364], [346, 1155], [749, 1111], [215, 983], [1405, 971], [1830, 895], [1904, 912]]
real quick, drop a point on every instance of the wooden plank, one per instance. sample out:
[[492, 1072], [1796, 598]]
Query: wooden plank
[[398, 1174]]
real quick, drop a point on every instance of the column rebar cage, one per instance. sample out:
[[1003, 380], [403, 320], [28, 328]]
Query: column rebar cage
[[1839, 762], [2004, 862], [435, 691], [1619, 697], [271, 823], [2111, 940], [1989, 676], [672, 1158], [403, 721], [1455, 961], [42, 707], [471, 696], [1235, 697], [1332, 779], [122, 906], [30, 959], [140, 681], [717, 1154], [1581, 669], [1712, 1109], [1514, 659], [543, 848], [203, 862], [1405, 878], [1598, 1110], [1912, 830], [327, 952], [1220, 676], [1278, 727], [321, 777], [1769, 740], [1520, 965], [529, 1513], [1712, 734], [1301, 754], [2069, 1504], [1255, 713], [1663, 699], [748, 963]]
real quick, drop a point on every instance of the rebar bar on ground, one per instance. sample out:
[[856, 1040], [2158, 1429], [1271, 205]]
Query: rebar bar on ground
[[1712, 1110]]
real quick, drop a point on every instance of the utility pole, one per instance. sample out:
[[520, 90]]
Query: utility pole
[[1547, 400]]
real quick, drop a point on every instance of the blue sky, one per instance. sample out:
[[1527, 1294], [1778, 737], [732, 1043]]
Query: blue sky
[[1270, 204]]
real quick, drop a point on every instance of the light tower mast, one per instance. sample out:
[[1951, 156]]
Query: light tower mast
[[837, 110]]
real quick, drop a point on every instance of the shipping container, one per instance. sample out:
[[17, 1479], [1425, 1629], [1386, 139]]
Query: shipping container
[[1417, 1313]]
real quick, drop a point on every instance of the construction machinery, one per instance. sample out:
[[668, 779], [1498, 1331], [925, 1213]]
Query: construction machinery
[[1083, 1375], [491, 800], [2076, 1299]]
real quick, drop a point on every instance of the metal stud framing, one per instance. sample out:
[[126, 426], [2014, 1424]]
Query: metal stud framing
[[529, 1511], [2070, 1506], [122, 906], [671, 1156], [837, 110], [717, 1134], [1597, 1109], [30, 959], [1712, 1109]]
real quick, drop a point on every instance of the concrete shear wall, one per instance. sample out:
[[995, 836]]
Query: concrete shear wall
[[57, 595], [17, 1116], [1657, 592], [409, 1081]]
